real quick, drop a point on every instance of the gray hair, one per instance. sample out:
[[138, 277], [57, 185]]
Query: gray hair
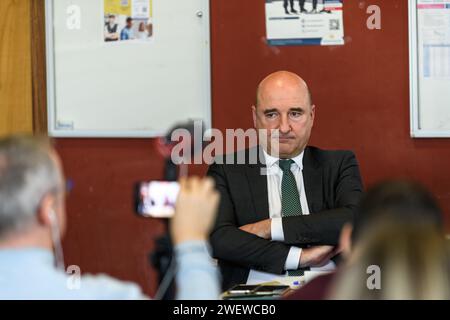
[[27, 174]]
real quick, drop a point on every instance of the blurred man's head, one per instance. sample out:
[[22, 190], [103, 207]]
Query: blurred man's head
[[112, 19], [283, 102], [31, 192], [399, 203], [129, 22]]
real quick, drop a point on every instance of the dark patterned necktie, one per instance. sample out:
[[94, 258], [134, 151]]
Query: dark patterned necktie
[[290, 201]]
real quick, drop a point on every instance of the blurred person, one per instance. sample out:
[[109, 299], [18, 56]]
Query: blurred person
[[324, 10], [286, 4], [396, 202], [127, 32], [142, 31], [149, 28], [33, 219], [314, 6], [405, 261], [111, 29], [195, 212], [302, 6]]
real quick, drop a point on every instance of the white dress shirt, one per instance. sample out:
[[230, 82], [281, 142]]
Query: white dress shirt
[[274, 177]]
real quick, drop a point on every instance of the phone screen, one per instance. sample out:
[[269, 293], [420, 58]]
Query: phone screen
[[157, 199]]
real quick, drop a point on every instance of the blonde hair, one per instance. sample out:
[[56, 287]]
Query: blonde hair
[[413, 261]]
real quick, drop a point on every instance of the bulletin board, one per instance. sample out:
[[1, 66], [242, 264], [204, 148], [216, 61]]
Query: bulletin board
[[429, 45], [126, 68]]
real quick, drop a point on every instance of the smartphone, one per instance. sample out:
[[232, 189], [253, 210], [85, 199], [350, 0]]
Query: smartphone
[[156, 199]]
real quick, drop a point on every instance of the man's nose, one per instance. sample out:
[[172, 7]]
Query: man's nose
[[285, 127]]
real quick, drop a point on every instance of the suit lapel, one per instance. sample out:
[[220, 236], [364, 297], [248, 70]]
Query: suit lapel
[[257, 182], [312, 177]]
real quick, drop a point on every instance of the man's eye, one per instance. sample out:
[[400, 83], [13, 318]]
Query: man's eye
[[271, 115], [295, 114]]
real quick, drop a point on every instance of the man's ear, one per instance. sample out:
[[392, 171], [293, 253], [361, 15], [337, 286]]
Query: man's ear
[[254, 116], [313, 112], [46, 210], [345, 240]]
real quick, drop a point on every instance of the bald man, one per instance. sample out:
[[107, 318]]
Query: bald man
[[282, 215]]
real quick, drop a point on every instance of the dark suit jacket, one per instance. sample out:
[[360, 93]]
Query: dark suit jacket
[[333, 189]]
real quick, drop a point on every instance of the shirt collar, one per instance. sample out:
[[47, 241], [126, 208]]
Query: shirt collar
[[271, 161]]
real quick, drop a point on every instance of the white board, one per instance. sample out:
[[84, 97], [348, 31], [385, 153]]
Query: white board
[[429, 39], [126, 88]]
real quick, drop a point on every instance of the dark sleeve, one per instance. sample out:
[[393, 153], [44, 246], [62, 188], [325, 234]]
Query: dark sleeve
[[323, 228], [239, 247]]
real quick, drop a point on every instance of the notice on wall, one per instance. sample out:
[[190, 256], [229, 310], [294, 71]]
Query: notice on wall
[[128, 20], [434, 38], [303, 22]]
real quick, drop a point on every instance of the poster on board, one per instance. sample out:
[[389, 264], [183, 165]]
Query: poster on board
[[304, 22], [128, 20], [430, 69], [434, 38]]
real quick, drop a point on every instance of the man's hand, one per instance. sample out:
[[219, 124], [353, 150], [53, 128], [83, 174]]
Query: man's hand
[[317, 256], [195, 210], [261, 229]]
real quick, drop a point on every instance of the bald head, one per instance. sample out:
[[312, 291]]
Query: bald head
[[280, 81]]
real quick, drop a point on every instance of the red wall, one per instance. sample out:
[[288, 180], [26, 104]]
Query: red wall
[[361, 92]]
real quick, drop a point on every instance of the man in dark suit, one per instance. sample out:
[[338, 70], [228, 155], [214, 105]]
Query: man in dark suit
[[314, 6], [282, 214]]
